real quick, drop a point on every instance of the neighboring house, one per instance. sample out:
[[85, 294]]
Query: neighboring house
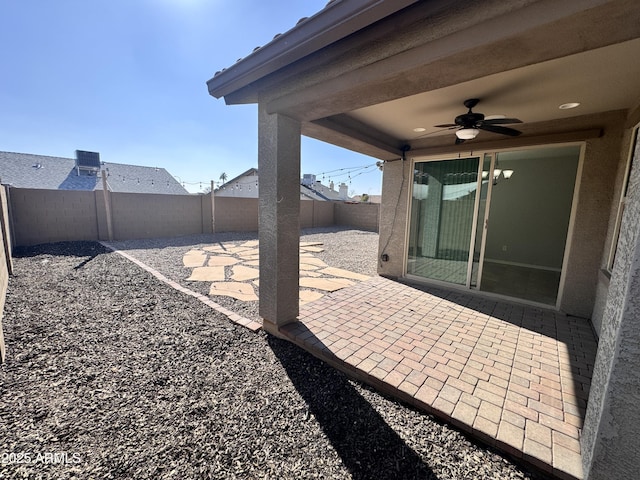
[[366, 198], [246, 185], [547, 215], [24, 170]]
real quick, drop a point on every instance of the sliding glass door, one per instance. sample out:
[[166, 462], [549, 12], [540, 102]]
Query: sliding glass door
[[497, 222], [443, 219], [528, 222]]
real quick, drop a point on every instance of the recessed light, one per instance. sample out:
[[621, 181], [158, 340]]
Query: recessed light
[[419, 129], [568, 106]]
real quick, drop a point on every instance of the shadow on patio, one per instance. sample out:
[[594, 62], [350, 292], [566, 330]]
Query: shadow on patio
[[515, 377]]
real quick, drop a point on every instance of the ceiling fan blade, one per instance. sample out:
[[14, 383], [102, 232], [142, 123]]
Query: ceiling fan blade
[[435, 132], [501, 130], [501, 121], [446, 125]]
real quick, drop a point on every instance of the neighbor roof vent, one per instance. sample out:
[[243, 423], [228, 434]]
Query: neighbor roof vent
[[89, 161]]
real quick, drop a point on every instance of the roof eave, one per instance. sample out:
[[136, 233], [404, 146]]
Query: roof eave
[[336, 21]]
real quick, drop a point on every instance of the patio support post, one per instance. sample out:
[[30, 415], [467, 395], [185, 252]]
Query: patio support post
[[279, 218], [611, 434]]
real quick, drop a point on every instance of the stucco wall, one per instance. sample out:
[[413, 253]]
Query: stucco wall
[[611, 435], [592, 217], [396, 181]]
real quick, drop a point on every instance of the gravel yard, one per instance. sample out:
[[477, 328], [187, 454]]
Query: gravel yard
[[353, 250], [113, 374]]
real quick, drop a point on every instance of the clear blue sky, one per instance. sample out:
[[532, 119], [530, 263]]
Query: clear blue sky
[[127, 78]]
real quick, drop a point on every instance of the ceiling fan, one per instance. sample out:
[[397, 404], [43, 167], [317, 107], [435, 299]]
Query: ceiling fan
[[469, 124]]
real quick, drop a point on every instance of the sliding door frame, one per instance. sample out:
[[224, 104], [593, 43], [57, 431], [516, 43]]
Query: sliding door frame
[[482, 155]]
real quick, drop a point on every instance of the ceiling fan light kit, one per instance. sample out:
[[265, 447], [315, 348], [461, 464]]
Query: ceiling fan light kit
[[467, 133], [469, 124]]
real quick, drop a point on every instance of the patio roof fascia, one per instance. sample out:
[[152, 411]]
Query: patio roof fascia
[[335, 22]]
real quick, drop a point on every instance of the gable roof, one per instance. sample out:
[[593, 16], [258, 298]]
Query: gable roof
[[25, 170]]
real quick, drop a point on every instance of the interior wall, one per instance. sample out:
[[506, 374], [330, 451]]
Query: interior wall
[[525, 202]]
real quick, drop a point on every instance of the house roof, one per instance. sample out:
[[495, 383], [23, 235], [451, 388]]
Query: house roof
[[252, 172], [320, 192], [364, 78], [25, 170]]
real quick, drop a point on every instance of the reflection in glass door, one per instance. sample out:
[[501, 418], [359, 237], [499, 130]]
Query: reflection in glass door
[[443, 219]]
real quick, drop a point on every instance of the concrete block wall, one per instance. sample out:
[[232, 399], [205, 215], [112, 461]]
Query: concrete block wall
[[236, 214], [153, 215], [365, 216], [44, 216], [316, 214], [6, 265]]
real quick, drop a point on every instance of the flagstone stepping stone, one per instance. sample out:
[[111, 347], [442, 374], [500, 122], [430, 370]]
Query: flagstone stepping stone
[[237, 290], [312, 249], [242, 273], [194, 258], [222, 261], [328, 284], [252, 263], [309, 273], [310, 244], [307, 296], [313, 261], [207, 274], [339, 272], [307, 266]]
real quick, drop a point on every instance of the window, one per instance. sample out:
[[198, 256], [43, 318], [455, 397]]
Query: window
[[634, 151]]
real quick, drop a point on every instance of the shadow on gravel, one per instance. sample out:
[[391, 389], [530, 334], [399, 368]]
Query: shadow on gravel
[[367, 445], [63, 249]]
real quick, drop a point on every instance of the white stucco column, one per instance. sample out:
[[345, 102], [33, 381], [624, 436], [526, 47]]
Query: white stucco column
[[279, 218], [611, 434]]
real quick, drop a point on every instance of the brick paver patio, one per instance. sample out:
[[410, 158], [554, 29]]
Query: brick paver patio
[[515, 377]]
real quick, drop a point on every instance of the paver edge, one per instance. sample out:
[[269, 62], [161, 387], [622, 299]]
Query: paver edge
[[231, 316]]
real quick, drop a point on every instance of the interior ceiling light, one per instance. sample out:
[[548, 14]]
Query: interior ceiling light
[[568, 106], [467, 133]]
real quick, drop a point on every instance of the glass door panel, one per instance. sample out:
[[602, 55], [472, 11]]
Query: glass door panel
[[530, 206], [482, 209], [442, 219]]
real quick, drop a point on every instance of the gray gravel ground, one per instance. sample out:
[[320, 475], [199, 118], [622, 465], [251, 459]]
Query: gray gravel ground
[[131, 379]]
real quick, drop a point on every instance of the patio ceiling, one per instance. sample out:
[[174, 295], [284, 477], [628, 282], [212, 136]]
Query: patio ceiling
[[367, 86], [600, 80]]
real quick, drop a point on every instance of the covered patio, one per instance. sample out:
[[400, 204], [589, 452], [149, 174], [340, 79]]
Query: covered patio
[[387, 79], [513, 376]]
